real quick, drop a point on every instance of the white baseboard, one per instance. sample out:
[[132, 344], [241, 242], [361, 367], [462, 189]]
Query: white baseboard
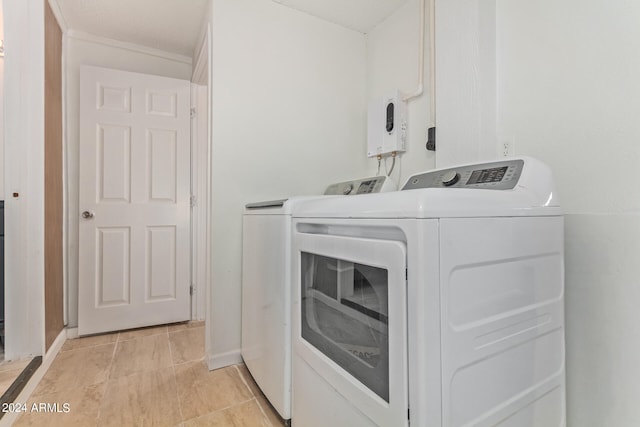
[[55, 348], [47, 360], [72, 333], [217, 361]]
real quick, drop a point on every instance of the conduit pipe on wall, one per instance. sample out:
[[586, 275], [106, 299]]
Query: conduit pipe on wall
[[432, 63], [420, 88], [432, 74]]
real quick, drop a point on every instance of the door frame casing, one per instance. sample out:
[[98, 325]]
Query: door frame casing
[[201, 177], [199, 207]]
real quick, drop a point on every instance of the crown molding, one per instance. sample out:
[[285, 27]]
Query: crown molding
[[79, 35]]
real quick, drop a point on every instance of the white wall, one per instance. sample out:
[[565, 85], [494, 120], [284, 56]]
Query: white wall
[[289, 117], [1, 106], [392, 63], [82, 51], [570, 95], [465, 81], [567, 92], [2, 191], [24, 175]]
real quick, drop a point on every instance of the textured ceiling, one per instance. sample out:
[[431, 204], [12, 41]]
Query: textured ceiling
[[174, 25], [359, 15], [170, 25]]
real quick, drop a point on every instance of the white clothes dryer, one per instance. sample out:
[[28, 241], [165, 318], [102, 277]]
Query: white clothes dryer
[[266, 287], [439, 305]]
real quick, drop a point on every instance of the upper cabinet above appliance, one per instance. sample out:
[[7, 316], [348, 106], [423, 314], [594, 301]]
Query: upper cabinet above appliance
[[359, 15]]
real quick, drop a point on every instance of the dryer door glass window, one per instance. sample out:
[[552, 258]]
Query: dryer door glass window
[[344, 314]]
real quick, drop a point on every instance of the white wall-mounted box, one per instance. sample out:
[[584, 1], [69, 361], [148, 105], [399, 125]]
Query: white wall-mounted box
[[387, 125]]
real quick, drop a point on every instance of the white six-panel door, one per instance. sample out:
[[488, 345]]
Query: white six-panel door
[[134, 200]]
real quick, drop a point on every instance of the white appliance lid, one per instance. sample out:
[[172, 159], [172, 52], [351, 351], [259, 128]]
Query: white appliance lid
[[532, 195]]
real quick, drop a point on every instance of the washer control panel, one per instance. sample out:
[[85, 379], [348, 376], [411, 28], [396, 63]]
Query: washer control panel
[[489, 176], [376, 184]]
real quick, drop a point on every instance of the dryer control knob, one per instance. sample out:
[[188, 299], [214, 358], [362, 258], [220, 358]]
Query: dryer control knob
[[450, 178], [347, 189]]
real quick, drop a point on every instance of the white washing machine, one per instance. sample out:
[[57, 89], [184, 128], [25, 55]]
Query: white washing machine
[[266, 288], [438, 305]]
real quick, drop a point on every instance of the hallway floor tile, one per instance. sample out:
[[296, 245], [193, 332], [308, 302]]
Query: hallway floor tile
[[146, 377]]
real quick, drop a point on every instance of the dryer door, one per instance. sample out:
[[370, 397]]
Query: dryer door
[[351, 320]]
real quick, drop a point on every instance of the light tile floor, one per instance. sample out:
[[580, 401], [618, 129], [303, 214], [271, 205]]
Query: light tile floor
[[9, 371], [147, 377]]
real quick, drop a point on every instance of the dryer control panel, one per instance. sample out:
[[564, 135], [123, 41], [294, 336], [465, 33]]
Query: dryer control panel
[[503, 175], [376, 184]]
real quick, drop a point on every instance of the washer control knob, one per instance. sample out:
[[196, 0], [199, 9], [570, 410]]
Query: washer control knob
[[347, 189], [450, 178]]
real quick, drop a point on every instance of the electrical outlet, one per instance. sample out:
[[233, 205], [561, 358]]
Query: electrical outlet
[[506, 147]]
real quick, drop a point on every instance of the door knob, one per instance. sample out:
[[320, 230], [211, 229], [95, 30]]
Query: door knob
[[87, 214]]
